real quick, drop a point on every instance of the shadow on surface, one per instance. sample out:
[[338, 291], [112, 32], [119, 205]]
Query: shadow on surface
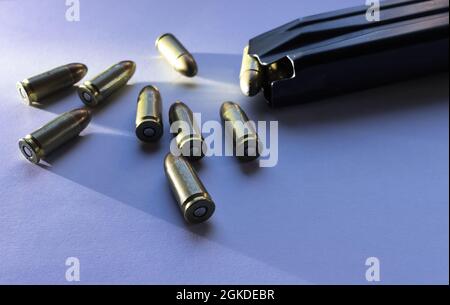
[[53, 100], [223, 68], [122, 168]]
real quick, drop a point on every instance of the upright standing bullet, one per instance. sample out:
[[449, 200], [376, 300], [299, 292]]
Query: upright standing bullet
[[149, 126], [251, 74], [36, 88], [43, 141], [245, 138], [188, 137], [194, 201], [106, 83], [176, 55]]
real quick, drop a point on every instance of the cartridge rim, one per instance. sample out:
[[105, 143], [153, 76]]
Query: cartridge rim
[[30, 149], [151, 125], [202, 204], [25, 93], [88, 95]]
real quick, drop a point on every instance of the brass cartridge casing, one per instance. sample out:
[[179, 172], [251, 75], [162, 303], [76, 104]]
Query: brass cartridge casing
[[93, 92], [188, 137], [176, 55], [247, 146], [35, 89], [52, 135], [251, 74], [149, 125], [192, 197]]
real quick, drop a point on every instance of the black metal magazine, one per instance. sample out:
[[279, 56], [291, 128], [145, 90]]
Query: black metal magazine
[[342, 51]]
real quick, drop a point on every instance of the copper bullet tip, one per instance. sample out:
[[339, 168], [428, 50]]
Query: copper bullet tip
[[78, 71]]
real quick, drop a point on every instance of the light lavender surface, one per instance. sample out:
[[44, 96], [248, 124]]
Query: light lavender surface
[[358, 176]]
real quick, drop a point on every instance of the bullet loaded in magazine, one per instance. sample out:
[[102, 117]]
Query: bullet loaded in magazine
[[305, 60], [342, 51]]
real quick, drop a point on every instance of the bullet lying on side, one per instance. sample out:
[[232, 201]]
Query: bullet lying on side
[[188, 137], [35, 89], [192, 197], [176, 55], [38, 144], [96, 90], [245, 138]]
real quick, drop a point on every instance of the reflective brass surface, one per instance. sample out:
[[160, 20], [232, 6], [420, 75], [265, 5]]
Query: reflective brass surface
[[43, 141], [245, 138], [149, 125], [37, 88], [188, 137], [193, 199], [176, 55], [93, 92], [251, 74]]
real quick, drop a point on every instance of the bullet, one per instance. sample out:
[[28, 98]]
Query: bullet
[[93, 92], [193, 199], [38, 144], [245, 139], [176, 55], [251, 74], [279, 70], [36, 88], [149, 126], [188, 137]]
